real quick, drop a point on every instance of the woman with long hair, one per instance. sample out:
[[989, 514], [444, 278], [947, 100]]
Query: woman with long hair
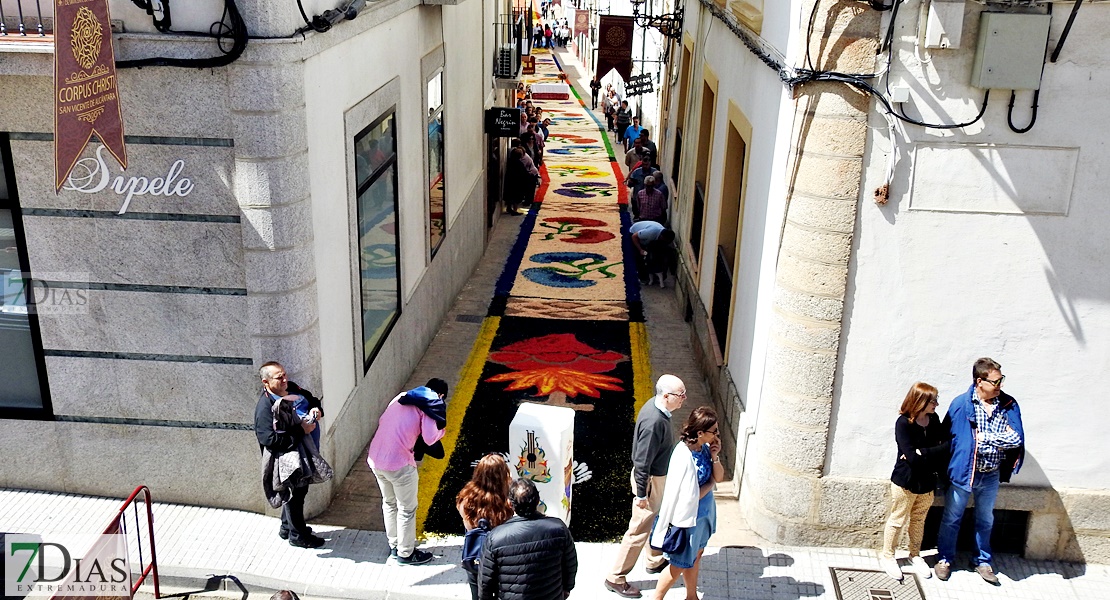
[[485, 496], [922, 453], [688, 503]]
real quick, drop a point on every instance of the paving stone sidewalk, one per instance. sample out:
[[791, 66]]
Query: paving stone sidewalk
[[197, 544]]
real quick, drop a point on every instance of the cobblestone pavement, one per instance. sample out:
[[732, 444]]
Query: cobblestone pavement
[[197, 544]]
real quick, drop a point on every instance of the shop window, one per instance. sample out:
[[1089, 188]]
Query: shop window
[[378, 247], [437, 215], [23, 371]]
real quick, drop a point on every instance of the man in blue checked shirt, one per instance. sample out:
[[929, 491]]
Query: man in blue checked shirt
[[988, 445]]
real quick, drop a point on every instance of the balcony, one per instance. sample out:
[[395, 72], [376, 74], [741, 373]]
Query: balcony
[[27, 25], [510, 44]]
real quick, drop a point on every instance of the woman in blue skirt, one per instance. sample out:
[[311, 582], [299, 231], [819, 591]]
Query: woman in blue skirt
[[688, 503]]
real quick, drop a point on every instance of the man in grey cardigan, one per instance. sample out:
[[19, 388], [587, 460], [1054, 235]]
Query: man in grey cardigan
[[652, 443]]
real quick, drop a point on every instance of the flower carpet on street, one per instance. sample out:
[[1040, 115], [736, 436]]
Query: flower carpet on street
[[565, 328]]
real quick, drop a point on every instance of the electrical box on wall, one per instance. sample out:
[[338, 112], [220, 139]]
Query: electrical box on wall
[[1011, 51], [945, 26]]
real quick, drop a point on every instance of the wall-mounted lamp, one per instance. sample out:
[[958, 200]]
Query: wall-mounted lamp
[[670, 25]]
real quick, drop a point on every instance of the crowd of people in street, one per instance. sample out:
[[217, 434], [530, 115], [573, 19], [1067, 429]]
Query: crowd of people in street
[[523, 554]]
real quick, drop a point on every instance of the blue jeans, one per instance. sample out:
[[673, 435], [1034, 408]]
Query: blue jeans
[[985, 490]]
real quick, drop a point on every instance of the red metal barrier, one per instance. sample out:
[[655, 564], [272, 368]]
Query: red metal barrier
[[115, 526]]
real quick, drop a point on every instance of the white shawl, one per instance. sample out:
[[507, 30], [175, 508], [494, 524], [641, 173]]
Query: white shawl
[[680, 496]]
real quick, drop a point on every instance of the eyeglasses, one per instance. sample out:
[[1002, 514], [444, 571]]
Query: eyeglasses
[[996, 382], [714, 431], [682, 395], [933, 401]]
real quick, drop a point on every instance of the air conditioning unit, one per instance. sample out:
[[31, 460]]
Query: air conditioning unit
[[503, 66]]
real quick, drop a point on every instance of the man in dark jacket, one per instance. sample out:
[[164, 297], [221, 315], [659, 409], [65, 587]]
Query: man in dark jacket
[[530, 556], [274, 386], [652, 443], [988, 445]]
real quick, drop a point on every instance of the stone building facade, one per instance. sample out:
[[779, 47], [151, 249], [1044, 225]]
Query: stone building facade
[[326, 206], [815, 307]]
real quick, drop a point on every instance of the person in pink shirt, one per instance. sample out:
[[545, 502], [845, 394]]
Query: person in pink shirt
[[411, 425]]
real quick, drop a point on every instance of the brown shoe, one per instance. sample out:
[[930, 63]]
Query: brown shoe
[[625, 590], [943, 570], [987, 573]]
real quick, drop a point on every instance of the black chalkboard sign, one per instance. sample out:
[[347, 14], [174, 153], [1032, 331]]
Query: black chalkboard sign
[[503, 122]]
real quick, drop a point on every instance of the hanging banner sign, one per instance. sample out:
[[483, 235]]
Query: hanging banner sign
[[86, 98], [528, 65], [614, 46], [581, 22]]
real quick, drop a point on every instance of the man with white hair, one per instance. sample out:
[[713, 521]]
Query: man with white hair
[[652, 443]]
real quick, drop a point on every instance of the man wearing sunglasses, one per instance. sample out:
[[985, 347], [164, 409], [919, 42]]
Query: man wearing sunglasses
[[988, 445]]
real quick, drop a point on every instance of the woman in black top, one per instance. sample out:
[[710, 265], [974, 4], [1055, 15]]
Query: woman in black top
[[922, 453]]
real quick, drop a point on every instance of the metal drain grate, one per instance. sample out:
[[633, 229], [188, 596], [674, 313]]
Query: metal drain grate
[[860, 584], [469, 318]]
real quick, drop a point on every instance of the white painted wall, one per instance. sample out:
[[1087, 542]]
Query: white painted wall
[[931, 291], [337, 79], [760, 95]]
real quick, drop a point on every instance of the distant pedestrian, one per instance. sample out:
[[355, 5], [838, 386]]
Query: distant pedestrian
[[518, 181], [275, 386], [530, 556], [634, 155], [654, 251], [595, 89], [922, 453], [632, 132], [695, 469], [645, 139], [650, 204], [548, 34], [607, 109], [412, 424], [988, 446], [623, 118], [652, 440], [485, 496]]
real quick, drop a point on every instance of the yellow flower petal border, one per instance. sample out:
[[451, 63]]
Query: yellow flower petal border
[[642, 386]]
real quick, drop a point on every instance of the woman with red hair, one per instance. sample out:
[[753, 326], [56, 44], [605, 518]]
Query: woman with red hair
[[485, 496], [922, 454]]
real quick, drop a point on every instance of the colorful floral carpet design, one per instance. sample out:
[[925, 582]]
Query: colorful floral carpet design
[[565, 328]]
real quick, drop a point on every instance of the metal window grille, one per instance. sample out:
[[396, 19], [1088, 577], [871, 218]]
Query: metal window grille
[[26, 18]]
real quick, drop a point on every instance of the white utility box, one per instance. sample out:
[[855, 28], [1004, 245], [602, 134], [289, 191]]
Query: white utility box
[[541, 448], [945, 26], [1011, 51]]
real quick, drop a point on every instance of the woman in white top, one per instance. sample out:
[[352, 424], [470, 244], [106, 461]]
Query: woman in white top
[[694, 470]]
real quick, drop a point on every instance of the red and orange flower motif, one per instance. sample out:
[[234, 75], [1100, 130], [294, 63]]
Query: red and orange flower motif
[[558, 362]]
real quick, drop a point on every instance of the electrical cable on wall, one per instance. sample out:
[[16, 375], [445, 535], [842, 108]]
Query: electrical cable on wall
[[231, 26]]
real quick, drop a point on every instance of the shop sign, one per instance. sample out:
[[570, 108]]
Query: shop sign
[[86, 98], [528, 65], [502, 121], [91, 176]]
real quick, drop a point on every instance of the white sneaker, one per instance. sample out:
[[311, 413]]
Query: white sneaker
[[890, 567], [919, 567]]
